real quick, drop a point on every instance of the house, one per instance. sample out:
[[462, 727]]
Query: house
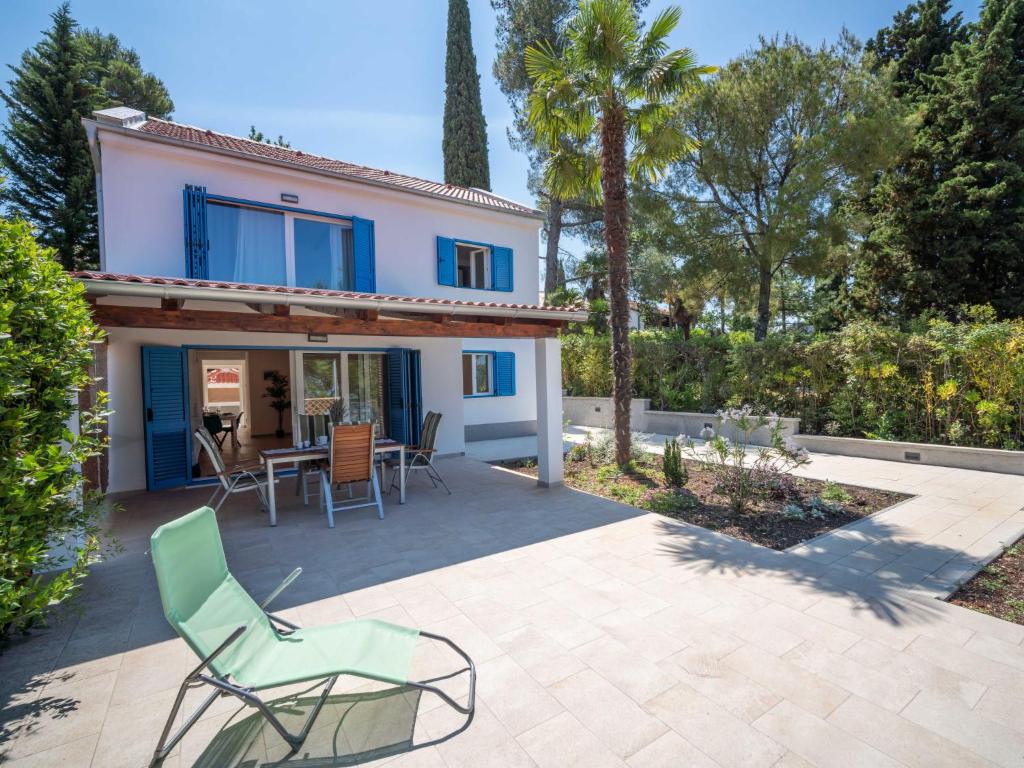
[[227, 265]]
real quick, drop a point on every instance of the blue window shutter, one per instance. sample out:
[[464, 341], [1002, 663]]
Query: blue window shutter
[[165, 415], [504, 373], [445, 261], [501, 268], [365, 257], [197, 242], [415, 408], [405, 400], [398, 395]]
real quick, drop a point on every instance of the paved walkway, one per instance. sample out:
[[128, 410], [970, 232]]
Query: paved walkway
[[603, 636]]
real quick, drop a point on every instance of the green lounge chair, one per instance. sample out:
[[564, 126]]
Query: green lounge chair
[[245, 649]]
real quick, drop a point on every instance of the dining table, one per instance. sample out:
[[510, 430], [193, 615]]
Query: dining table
[[274, 457]]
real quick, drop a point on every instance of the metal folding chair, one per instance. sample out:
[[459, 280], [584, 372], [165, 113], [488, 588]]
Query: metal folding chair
[[238, 479], [245, 649], [421, 457]]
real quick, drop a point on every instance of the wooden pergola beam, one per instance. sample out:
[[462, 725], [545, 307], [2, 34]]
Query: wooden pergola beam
[[112, 315]]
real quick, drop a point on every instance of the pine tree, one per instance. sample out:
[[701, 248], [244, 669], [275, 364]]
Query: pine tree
[[45, 155], [465, 130]]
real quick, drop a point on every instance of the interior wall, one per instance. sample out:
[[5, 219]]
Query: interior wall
[[262, 418]]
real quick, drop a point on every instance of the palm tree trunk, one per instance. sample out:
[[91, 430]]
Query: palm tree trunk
[[616, 238], [551, 271]]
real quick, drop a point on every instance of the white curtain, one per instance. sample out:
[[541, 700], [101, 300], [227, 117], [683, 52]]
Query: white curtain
[[259, 248], [337, 262]]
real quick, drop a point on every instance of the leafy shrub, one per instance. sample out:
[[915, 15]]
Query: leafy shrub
[[578, 453], [672, 464], [742, 472], [602, 450], [835, 492], [46, 350], [938, 381], [667, 502]]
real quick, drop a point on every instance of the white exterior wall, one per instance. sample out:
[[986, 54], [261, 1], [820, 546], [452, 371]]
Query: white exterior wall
[[142, 232], [501, 410], [142, 183], [441, 381]]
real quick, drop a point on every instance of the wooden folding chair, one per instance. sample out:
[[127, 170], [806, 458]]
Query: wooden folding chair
[[350, 461]]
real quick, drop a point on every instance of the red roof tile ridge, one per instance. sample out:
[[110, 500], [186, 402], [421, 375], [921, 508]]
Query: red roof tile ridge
[[298, 291]]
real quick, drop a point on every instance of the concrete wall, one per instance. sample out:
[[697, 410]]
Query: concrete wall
[[599, 412], [984, 459], [142, 182]]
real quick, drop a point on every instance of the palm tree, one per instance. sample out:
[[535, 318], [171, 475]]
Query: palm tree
[[612, 90]]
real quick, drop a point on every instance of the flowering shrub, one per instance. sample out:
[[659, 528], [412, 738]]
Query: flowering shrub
[[741, 472]]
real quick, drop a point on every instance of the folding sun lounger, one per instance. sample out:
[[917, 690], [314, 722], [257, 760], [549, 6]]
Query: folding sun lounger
[[245, 649]]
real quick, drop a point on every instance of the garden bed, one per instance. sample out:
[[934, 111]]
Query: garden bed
[[796, 510], [998, 589]]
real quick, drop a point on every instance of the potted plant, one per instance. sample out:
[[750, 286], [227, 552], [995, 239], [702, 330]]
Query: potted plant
[[277, 392]]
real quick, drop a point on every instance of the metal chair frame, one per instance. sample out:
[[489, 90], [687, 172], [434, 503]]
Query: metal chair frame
[[421, 457], [237, 480], [225, 687]]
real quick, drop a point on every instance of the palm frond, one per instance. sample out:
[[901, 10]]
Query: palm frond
[[571, 173], [654, 42]]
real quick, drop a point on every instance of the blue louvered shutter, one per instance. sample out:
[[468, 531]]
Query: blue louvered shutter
[[197, 242], [501, 268], [445, 261], [165, 411], [365, 279], [398, 395], [504, 373], [415, 408], [405, 400]]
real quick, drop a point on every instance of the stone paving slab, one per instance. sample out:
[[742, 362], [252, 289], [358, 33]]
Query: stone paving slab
[[603, 635]]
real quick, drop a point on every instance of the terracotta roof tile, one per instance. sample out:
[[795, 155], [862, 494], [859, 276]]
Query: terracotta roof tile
[[271, 290], [297, 157]]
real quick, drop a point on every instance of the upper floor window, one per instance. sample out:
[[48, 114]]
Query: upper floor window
[[250, 242], [323, 254], [252, 245], [473, 266], [247, 245], [465, 264]]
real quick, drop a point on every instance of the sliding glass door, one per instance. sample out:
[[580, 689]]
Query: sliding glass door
[[321, 378]]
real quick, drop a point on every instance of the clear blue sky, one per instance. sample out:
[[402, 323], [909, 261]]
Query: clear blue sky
[[363, 81]]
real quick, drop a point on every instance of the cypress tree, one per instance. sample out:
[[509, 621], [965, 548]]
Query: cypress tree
[[947, 227], [465, 130], [45, 154]]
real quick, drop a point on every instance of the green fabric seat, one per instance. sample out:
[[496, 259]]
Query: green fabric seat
[[204, 604], [244, 649]]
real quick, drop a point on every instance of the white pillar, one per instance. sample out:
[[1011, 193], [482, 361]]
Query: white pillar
[[548, 366]]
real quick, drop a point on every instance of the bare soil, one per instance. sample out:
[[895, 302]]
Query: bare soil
[[826, 505], [998, 589]]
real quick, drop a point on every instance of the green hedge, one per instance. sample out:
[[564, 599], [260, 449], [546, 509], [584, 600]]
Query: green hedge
[[941, 382]]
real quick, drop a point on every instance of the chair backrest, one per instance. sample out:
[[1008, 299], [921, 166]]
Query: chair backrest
[[200, 597], [351, 453], [213, 423], [207, 442], [428, 435], [238, 420]]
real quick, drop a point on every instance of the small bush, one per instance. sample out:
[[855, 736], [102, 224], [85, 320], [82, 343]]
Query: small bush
[[835, 492], [670, 501], [673, 466], [46, 351]]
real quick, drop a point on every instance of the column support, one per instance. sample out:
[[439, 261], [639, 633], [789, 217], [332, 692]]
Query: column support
[[548, 367]]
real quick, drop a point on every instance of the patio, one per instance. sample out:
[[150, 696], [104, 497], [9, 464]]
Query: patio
[[602, 635]]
